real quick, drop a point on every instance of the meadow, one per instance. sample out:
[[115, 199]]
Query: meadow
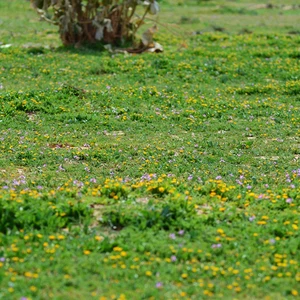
[[169, 175]]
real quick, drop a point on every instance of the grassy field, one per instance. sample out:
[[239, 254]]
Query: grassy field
[[153, 176]]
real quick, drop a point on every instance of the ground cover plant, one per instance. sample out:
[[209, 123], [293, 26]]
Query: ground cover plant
[[153, 176]]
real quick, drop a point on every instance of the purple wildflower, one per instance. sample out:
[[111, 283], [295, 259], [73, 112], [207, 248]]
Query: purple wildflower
[[15, 182], [173, 258], [216, 246], [172, 236], [60, 169]]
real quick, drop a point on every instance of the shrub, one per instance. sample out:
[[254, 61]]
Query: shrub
[[109, 21]]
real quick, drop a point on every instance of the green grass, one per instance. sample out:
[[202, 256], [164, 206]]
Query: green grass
[[153, 176]]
